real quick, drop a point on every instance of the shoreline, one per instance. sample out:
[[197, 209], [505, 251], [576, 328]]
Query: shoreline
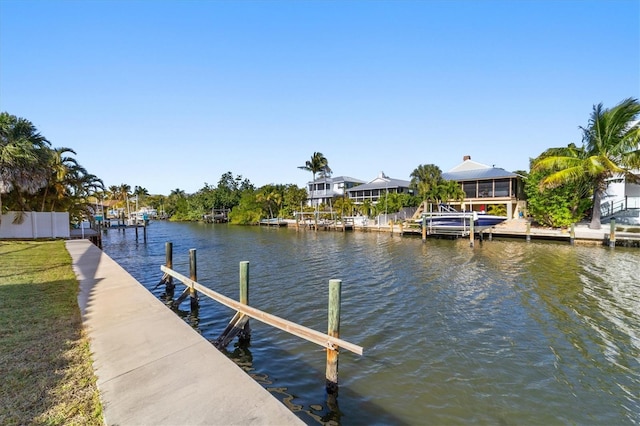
[[512, 229]]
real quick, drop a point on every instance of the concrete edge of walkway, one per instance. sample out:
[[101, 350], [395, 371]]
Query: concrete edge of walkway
[[153, 368]]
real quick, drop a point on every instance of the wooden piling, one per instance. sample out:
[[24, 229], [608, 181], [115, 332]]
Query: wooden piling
[[424, 229], [612, 232], [528, 234], [391, 227], [136, 227], [335, 289], [572, 234], [471, 233], [245, 335], [193, 274], [168, 254], [144, 230]]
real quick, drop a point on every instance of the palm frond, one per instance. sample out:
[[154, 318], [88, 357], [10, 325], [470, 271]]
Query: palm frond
[[573, 174]]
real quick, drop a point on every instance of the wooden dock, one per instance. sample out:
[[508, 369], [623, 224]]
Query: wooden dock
[[273, 222], [513, 229], [323, 220]]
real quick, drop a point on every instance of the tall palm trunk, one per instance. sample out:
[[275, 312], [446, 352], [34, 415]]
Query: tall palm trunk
[[313, 186], [595, 212], [44, 197]]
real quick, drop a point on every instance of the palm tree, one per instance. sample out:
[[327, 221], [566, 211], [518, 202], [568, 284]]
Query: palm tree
[[611, 149], [345, 205], [449, 190], [177, 193], [270, 197], [83, 187], [425, 179], [60, 168], [317, 164], [140, 191], [124, 191], [111, 191], [24, 155], [141, 194]]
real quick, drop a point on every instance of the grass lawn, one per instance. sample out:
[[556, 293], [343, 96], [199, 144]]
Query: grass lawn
[[46, 376]]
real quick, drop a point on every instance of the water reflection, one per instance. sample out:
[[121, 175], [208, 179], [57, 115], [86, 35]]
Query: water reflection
[[590, 326]]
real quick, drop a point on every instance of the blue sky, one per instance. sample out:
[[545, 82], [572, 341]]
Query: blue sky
[[172, 94]]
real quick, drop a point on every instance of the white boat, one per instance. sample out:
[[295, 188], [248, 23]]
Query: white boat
[[145, 213], [459, 222]]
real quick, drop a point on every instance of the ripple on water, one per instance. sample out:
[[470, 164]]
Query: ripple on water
[[507, 332]]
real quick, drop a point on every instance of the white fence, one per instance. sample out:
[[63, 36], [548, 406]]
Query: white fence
[[36, 225]]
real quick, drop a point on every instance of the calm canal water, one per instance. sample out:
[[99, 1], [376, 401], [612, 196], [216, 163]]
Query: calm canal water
[[508, 332]]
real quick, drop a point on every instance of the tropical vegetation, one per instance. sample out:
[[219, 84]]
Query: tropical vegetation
[[317, 164], [610, 151], [430, 186], [563, 185], [559, 206], [36, 177]]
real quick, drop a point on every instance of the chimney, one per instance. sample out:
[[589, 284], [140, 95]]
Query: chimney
[[466, 157]]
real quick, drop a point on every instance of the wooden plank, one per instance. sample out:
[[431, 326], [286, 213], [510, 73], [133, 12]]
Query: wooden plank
[[235, 327], [306, 333]]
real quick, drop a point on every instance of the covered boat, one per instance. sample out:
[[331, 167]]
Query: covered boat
[[458, 222]]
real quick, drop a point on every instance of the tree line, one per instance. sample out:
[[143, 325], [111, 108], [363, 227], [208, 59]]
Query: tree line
[[563, 186]]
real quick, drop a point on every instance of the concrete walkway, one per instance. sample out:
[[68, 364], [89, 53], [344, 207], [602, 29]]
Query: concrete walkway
[[153, 368]]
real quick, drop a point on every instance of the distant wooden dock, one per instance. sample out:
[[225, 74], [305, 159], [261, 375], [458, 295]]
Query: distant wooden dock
[[514, 229], [273, 222], [217, 216], [323, 220]]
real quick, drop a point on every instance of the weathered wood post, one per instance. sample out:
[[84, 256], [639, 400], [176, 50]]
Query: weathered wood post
[[490, 234], [528, 234], [391, 227], [168, 255], [335, 289], [401, 228], [193, 274], [99, 236], [144, 230], [135, 225], [572, 234], [245, 335], [471, 233], [424, 229], [612, 232]]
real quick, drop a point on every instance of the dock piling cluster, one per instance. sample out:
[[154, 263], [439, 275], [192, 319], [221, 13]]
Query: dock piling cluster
[[239, 324]]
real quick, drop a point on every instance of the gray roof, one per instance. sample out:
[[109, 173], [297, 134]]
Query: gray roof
[[346, 179], [337, 179], [479, 174], [379, 184]]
